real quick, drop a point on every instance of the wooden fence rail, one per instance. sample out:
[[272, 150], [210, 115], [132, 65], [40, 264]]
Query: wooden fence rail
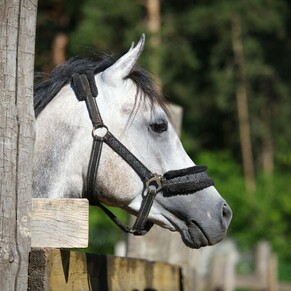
[[63, 223], [54, 224], [222, 275], [66, 270], [59, 223]]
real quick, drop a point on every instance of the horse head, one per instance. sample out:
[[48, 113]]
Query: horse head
[[136, 115]]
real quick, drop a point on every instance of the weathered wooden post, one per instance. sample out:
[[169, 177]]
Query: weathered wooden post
[[221, 273], [17, 39]]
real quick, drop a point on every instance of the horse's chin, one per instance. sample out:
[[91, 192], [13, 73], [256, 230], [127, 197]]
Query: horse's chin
[[194, 237], [192, 234]]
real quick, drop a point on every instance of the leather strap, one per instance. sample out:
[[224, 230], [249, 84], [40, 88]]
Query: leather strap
[[142, 171], [174, 182], [141, 226], [92, 171], [147, 202]]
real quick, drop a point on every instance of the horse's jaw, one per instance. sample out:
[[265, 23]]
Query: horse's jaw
[[201, 218]]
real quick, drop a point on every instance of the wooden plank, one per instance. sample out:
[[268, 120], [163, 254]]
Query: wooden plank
[[59, 223], [137, 274], [80, 271], [68, 271]]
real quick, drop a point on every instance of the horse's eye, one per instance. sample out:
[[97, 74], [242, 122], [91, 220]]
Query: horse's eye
[[159, 127]]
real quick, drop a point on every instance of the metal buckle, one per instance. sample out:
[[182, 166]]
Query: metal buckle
[[99, 132], [154, 181]]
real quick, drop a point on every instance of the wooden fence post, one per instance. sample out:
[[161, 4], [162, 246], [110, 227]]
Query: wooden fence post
[[17, 39], [265, 275], [222, 271], [262, 258], [216, 273], [272, 273]]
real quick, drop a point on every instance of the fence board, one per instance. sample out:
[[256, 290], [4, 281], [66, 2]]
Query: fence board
[[68, 270], [59, 223]]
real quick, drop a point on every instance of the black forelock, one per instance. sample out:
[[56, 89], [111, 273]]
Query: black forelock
[[62, 74]]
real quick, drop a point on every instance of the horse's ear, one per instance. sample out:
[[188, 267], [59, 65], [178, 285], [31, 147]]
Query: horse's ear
[[123, 66]]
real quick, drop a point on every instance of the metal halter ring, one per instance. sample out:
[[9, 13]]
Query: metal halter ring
[[154, 181], [100, 132]]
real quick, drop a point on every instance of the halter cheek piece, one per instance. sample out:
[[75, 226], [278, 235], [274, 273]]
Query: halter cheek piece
[[184, 181]]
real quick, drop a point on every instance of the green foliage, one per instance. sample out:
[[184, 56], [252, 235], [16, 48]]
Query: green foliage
[[262, 215], [197, 71], [106, 24], [284, 271], [103, 233]]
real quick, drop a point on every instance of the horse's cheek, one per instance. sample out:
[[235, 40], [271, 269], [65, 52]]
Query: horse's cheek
[[119, 181]]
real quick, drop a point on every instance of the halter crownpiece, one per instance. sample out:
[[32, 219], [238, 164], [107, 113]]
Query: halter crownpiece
[[176, 182]]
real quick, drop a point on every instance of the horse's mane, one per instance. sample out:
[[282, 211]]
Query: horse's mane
[[62, 74]]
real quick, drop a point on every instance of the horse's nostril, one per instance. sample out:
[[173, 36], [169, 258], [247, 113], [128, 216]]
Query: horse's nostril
[[226, 213]]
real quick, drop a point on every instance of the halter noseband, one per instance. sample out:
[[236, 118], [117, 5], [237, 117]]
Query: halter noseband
[[184, 181]]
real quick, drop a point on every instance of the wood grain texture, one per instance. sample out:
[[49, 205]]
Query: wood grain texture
[[59, 223], [83, 271], [17, 39]]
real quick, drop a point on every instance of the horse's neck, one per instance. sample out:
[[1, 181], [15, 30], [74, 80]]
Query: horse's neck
[[61, 157], [58, 167]]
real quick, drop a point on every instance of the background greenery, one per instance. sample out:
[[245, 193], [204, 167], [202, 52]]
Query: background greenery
[[197, 69]]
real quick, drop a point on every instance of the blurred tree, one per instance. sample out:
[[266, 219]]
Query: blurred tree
[[242, 102], [197, 69], [55, 20], [154, 28], [108, 24], [207, 29]]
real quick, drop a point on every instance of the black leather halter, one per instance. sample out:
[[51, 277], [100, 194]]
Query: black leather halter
[[188, 180]]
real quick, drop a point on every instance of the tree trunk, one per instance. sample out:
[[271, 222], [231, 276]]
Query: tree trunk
[[59, 48], [154, 27], [267, 143], [242, 104], [17, 39]]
